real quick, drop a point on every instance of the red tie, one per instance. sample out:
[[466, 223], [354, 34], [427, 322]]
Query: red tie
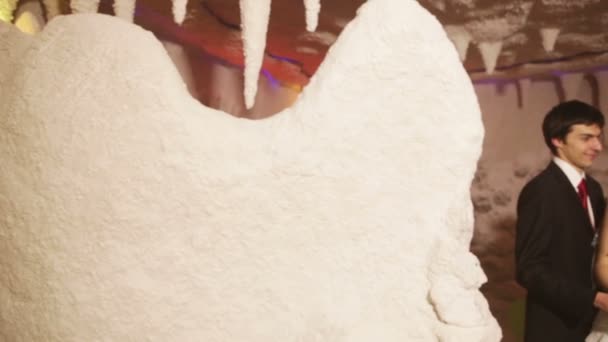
[[582, 192]]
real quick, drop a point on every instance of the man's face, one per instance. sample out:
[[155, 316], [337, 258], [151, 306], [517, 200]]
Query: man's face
[[581, 146]]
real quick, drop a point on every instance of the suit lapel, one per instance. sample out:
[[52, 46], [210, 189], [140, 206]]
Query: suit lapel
[[596, 197]]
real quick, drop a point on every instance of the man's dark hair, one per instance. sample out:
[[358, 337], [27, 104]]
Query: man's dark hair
[[559, 120]]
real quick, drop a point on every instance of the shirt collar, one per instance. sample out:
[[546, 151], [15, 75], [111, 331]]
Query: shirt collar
[[574, 176]]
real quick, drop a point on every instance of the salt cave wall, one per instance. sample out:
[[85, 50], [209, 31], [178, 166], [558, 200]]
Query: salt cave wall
[[513, 152], [132, 212]]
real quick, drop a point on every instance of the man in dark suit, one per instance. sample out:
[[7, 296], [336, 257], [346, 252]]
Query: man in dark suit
[[557, 213]]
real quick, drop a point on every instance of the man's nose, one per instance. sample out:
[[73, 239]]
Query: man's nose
[[597, 144]]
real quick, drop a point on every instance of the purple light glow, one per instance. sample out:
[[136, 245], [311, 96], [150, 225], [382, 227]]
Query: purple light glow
[[273, 81]]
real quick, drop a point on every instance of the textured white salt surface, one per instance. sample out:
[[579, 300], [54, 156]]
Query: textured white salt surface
[[130, 212]]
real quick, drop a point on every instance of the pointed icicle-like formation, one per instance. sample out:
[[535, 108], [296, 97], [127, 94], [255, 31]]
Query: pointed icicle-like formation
[[461, 39], [571, 83], [124, 9], [524, 88], [179, 10], [84, 6], [254, 25], [489, 53], [549, 36], [52, 8], [313, 7], [7, 8], [601, 79]]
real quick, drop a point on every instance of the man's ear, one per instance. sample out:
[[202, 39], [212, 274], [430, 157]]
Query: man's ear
[[557, 142]]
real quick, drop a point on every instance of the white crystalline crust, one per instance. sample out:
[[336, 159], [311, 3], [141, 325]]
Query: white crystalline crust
[[130, 212]]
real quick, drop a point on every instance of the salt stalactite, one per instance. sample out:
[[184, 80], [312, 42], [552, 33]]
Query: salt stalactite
[[7, 7], [571, 83], [524, 88], [489, 53], [52, 7], [124, 9], [549, 36], [601, 79], [313, 7], [254, 25], [179, 10], [461, 39], [84, 6]]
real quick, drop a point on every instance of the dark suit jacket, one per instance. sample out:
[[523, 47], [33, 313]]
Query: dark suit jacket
[[554, 256]]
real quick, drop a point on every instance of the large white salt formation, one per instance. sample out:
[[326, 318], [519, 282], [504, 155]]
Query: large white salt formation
[[130, 212]]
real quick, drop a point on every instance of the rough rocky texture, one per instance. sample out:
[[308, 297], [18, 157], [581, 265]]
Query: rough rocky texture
[[130, 212]]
